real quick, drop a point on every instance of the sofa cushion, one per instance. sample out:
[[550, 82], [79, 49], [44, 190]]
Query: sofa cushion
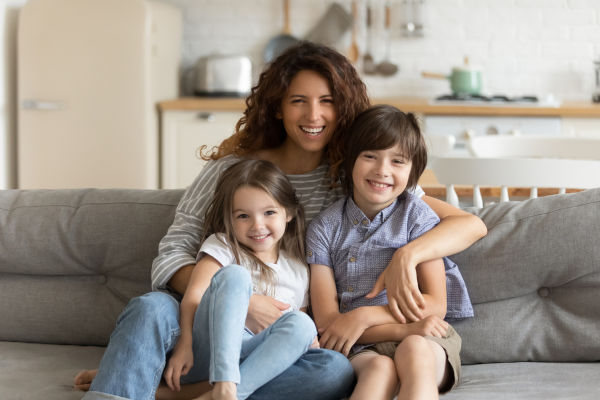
[[71, 259], [527, 381], [30, 371], [534, 281]]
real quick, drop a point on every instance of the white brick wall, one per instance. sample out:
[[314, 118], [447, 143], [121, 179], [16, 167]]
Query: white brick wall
[[524, 46]]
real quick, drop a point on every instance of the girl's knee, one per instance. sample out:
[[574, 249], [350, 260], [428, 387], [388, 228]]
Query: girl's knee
[[299, 325], [232, 276]]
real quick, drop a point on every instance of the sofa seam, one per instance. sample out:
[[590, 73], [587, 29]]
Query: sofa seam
[[542, 213]]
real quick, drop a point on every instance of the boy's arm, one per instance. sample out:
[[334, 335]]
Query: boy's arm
[[182, 359], [431, 276], [456, 231], [339, 331]]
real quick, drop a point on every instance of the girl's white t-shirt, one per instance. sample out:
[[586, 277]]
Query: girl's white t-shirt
[[291, 275]]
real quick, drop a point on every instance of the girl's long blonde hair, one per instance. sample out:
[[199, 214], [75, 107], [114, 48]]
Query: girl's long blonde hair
[[262, 175]]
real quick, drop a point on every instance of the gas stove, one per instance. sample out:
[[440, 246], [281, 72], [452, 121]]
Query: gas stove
[[498, 100], [482, 98]]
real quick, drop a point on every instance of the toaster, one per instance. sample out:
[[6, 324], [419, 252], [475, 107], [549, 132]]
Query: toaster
[[223, 76]]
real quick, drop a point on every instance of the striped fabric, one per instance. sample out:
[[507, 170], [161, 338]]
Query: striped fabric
[[180, 245]]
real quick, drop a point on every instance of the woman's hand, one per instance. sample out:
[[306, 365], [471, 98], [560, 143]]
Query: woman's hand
[[343, 332], [429, 326], [263, 311], [405, 300], [179, 364]]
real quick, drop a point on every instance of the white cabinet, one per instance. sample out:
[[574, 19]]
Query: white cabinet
[[581, 127], [183, 132]]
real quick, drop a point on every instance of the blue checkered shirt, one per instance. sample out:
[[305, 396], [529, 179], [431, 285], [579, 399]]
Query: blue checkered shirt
[[358, 250]]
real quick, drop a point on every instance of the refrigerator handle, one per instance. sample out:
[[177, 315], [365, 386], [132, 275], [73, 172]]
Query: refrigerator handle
[[41, 105]]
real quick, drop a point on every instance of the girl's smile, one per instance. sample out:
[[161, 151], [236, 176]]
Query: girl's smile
[[259, 222]]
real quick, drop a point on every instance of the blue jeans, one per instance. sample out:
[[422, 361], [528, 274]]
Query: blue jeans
[[148, 329]]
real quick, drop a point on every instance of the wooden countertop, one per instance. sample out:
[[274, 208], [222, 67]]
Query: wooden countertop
[[580, 109]]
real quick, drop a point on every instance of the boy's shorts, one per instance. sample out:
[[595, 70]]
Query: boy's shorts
[[451, 345]]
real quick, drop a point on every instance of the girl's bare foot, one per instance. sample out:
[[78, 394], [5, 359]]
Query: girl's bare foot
[[84, 378], [221, 391]]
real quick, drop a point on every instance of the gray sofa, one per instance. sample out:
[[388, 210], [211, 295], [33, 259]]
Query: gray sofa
[[71, 259]]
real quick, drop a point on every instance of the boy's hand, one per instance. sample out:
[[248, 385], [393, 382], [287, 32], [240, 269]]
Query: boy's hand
[[429, 326], [342, 333], [405, 301], [179, 364], [263, 311]]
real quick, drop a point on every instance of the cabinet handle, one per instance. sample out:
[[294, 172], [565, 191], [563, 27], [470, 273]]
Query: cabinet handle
[[206, 116], [41, 105]]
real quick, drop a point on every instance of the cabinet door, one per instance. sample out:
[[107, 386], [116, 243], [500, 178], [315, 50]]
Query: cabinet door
[[183, 132]]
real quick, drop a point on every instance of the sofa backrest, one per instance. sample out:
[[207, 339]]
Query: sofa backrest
[[535, 281], [71, 259]]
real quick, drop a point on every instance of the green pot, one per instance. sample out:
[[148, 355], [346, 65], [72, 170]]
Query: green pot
[[463, 80]]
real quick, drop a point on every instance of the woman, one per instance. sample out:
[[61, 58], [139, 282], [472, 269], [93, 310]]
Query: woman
[[296, 117]]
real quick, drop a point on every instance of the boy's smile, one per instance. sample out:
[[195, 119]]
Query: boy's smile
[[379, 177]]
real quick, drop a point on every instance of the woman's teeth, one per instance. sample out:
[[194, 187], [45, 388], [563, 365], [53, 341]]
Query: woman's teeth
[[261, 237], [313, 131]]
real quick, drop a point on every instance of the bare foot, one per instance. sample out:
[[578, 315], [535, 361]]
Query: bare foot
[[84, 378], [224, 391], [221, 391]]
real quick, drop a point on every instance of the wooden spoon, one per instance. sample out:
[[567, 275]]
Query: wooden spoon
[[369, 66], [353, 50]]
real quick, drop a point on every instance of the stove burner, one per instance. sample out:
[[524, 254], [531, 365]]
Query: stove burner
[[498, 98]]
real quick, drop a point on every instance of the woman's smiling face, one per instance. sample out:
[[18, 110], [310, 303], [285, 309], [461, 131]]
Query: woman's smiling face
[[308, 113]]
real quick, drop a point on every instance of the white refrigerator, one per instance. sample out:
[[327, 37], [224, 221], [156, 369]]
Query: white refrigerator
[[90, 73]]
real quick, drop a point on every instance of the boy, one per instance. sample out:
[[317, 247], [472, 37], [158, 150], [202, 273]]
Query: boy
[[350, 244]]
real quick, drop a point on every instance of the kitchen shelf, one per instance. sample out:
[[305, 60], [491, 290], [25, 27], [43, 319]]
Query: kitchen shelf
[[580, 109]]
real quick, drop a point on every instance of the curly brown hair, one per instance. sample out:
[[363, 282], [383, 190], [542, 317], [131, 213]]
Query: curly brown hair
[[260, 128]]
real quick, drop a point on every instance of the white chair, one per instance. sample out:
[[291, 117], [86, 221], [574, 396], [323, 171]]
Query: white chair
[[521, 162]]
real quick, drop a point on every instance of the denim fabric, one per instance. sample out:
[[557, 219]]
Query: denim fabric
[[148, 329]]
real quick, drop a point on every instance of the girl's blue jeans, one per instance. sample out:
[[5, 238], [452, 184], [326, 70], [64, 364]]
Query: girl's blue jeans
[[273, 364]]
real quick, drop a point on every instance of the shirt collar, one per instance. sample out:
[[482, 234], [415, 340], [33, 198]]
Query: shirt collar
[[357, 218]]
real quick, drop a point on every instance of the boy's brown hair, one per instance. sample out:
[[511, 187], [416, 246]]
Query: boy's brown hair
[[379, 128]]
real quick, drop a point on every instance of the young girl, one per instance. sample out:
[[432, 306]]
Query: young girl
[[350, 244], [254, 220]]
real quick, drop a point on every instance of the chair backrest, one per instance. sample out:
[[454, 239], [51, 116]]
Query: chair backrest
[[533, 162], [535, 146]]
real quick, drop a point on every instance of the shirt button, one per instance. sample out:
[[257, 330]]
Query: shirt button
[[352, 259], [350, 289], [309, 253], [355, 222], [365, 222]]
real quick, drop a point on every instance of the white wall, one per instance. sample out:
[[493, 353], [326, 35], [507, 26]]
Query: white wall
[[524, 46]]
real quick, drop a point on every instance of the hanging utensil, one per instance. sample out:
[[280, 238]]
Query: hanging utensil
[[369, 66], [386, 67], [284, 40], [353, 50]]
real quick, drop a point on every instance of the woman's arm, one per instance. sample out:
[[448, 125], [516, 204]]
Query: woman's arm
[[456, 231]]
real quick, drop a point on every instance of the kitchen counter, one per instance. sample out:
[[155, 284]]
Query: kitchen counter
[[581, 109]]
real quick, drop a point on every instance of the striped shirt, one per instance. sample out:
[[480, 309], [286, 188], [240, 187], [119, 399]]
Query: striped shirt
[[180, 245]]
